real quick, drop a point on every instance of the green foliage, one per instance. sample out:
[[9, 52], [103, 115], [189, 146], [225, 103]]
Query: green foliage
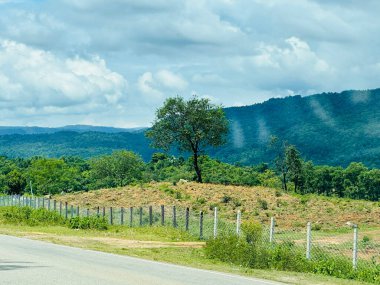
[[30, 217], [253, 231], [253, 252], [190, 126], [118, 169], [263, 204], [15, 181], [51, 176], [87, 223], [67, 174]]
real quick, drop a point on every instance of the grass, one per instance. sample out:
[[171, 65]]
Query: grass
[[290, 210], [169, 245]]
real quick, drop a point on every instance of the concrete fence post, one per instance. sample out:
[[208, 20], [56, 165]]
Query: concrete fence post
[[355, 248], [150, 215], [88, 212], [55, 205], [49, 204], [60, 208], [174, 217], [43, 202], [103, 213], [162, 215], [141, 216], [71, 211], [215, 222], [271, 230], [131, 217], [187, 219], [238, 223], [78, 211], [38, 202], [122, 216], [201, 225], [308, 241], [111, 216], [19, 200], [97, 211]]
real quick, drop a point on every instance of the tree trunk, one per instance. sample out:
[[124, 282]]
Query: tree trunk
[[284, 182], [196, 168]]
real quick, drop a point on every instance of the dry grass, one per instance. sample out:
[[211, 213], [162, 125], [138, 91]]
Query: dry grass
[[261, 203]]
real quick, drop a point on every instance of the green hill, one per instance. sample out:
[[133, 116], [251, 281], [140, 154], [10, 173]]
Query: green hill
[[328, 128]]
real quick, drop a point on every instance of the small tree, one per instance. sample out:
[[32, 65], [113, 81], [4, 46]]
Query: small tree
[[190, 126], [294, 163], [118, 169]]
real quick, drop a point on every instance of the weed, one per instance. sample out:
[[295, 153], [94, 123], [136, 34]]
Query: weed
[[226, 199], [263, 204]]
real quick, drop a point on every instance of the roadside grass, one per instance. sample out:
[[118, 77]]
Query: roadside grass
[[189, 253]]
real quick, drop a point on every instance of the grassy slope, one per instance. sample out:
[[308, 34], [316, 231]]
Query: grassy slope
[[290, 211]]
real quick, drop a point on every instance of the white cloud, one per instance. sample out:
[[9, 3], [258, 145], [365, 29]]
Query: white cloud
[[146, 84], [171, 80], [31, 77], [161, 84]]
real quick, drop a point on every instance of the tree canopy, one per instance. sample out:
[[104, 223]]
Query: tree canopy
[[190, 126]]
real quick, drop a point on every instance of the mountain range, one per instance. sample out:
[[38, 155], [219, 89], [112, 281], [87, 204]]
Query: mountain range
[[328, 128]]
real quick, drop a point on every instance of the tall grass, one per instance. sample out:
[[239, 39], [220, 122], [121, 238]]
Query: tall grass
[[250, 250], [43, 217]]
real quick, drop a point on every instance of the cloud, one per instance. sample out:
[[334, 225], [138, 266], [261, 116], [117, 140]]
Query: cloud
[[171, 80], [34, 78], [146, 84], [76, 56], [160, 84]]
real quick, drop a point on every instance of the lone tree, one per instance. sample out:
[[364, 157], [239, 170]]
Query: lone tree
[[189, 126]]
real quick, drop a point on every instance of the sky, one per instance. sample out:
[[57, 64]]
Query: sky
[[113, 63]]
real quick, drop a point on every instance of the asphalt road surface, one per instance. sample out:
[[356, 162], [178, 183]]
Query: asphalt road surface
[[31, 262]]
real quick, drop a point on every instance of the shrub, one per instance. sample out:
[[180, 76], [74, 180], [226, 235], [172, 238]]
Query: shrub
[[316, 227], [226, 199], [287, 256], [84, 223], [263, 204], [253, 232], [30, 216], [229, 248]]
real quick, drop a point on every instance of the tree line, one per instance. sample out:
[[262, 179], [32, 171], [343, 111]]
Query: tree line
[[44, 176]]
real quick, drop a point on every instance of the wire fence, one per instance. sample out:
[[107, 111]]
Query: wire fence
[[348, 245]]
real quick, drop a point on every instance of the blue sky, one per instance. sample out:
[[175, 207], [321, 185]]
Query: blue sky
[[114, 62]]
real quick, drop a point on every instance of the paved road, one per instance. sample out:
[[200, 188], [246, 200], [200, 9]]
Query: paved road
[[30, 262]]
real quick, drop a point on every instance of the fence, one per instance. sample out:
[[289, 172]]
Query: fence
[[349, 244]]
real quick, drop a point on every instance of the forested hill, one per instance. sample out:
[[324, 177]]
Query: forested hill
[[329, 128]]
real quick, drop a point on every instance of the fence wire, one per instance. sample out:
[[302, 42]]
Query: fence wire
[[361, 249]]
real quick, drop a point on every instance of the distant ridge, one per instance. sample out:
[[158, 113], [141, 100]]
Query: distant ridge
[[10, 130], [328, 128]]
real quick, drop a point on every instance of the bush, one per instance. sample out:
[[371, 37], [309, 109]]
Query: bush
[[251, 252], [229, 248], [30, 216], [263, 204], [226, 199], [85, 223], [253, 232]]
